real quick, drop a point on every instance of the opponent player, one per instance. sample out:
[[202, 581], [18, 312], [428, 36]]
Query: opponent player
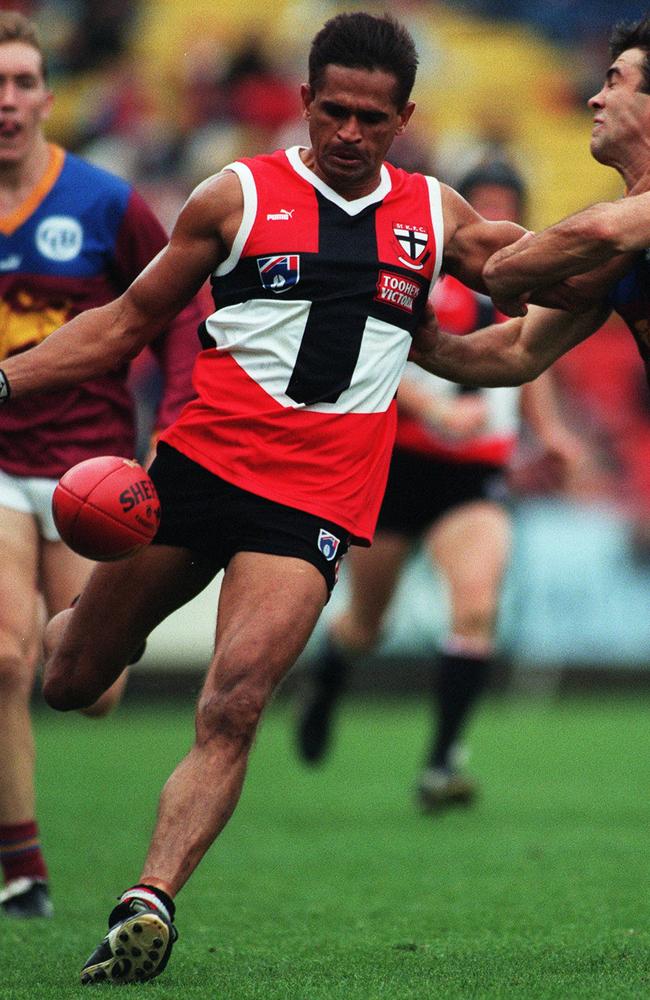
[[71, 237], [447, 489], [616, 232], [322, 260]]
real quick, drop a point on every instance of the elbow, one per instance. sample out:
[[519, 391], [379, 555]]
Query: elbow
[[529, 369]]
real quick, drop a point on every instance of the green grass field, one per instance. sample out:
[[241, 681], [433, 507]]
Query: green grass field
[[328, 884]]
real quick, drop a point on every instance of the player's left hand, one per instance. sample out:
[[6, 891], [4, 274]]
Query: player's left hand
[[425, 338]]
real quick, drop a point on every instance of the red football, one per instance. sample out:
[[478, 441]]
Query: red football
[[106, 508]]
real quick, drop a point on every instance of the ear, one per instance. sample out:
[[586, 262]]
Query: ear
[[46, 109], [307, 97], [404, 116]]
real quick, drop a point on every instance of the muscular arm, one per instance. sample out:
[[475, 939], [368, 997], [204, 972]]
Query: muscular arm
[[470, 240], [507, 353], [599, 239], [100, 339]]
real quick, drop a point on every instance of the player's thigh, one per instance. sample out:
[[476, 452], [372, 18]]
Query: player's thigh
[[470, 545], [19, 567], [63, 575], [123, 601], [268, 607], [373, 574]]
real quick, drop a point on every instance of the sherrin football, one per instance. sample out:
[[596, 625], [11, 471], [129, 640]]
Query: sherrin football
[[106, 508]]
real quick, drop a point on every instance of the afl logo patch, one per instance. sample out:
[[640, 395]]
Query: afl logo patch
[[280, 272], [328, 544], [59, 237]]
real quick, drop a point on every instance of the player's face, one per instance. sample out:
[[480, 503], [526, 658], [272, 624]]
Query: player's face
[[621, 113], [25, 101], [496, 202], [353, 120]]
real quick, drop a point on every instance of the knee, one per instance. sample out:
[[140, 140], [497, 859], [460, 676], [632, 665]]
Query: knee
[[357, 635], [478, 618], [231, 713], [16, 676], [56, 694], [60, 690]]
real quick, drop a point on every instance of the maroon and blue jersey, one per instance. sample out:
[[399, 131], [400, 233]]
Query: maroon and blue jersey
[[78, 241], [630, 298]]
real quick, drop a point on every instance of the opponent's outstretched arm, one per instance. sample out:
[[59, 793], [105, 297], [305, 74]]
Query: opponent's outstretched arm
[[103, 338], [508, 353], [472, 242], [599, 239]]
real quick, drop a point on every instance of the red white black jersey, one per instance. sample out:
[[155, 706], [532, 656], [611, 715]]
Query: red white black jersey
[[459, 310], [315, 308]]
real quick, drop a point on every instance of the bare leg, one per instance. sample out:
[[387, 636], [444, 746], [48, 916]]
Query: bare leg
[[109, 699], [64, 574], [470, 545], [19, 649], [267, 610], [373, 575], [24, 870], [103, 629]]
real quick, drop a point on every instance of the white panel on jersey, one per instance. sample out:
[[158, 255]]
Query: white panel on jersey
[[438, 219], [264, 338], [249, 192], [503, 413]]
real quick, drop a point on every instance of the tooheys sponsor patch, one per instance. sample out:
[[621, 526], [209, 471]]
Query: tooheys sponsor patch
[[396, 290]]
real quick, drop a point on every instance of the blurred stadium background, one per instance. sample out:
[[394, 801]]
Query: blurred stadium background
[[167, 93]]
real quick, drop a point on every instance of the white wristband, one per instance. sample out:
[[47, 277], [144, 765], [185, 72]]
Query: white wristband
[[4, 387]]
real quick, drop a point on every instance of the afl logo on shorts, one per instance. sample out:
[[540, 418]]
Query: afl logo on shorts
[[59, 237], [328, 544]]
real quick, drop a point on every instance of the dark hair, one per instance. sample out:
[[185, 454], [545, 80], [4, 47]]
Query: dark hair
[[362, 41], [15, 27], [497, 172], [635, 35]]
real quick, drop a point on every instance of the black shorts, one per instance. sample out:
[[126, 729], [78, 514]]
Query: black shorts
[[421, 489], [202, 512]]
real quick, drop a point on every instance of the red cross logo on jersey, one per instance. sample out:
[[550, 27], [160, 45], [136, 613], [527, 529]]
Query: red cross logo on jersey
[[413, 242]]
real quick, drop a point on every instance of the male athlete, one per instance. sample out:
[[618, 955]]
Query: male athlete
[[521, 348], [321, 261], [72, 236]]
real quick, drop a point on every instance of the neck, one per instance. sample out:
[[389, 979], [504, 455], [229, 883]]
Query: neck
[[633, 164], [18, 178], [351, 190], [637, 182]]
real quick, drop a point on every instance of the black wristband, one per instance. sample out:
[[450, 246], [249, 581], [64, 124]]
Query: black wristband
[[5, 391]]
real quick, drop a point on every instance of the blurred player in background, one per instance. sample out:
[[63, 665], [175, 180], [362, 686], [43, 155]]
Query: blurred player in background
[[447, 489], [321, 260], [71, 237]]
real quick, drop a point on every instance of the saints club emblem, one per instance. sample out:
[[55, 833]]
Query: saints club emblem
[[413, 242]]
